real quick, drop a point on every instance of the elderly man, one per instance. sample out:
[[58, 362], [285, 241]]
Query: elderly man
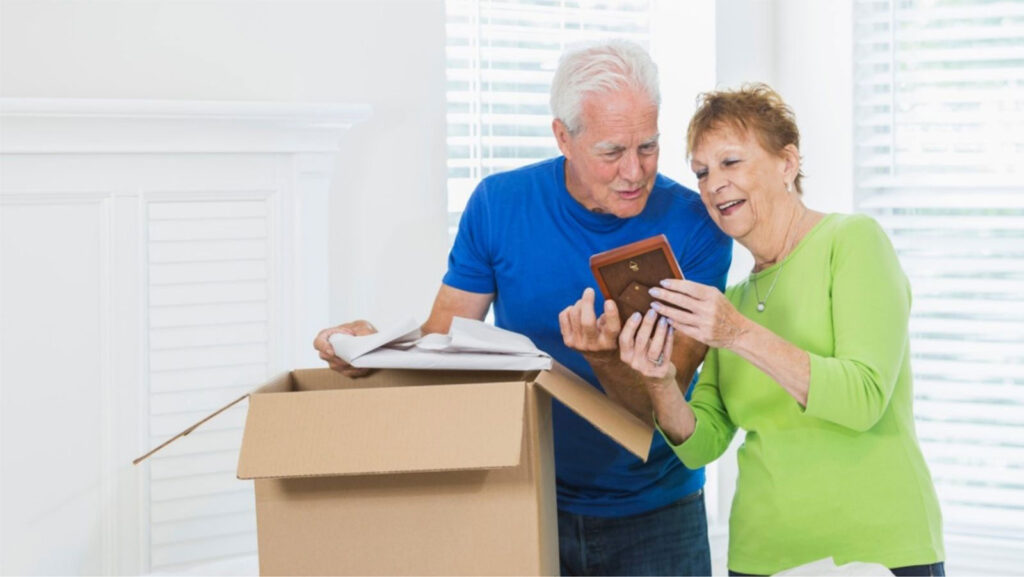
[[523, 246]]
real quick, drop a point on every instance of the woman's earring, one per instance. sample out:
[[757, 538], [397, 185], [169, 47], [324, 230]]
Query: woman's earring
[[789, 187]]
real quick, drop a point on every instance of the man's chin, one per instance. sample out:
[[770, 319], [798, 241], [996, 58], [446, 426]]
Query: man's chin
[[629, 209]]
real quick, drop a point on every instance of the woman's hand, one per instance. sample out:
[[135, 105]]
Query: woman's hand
[[700, 312], [645, 344]]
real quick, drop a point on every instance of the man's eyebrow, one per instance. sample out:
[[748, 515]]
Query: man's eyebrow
[[609, 147], [613, 147]]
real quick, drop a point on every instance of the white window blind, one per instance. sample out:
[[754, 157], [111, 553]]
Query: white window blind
[[940, 163], [501, 56]]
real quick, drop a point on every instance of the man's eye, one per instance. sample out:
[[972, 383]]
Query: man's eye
[[648, 149]]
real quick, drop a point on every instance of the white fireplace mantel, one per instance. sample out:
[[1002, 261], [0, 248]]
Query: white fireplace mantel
[[51, 125], [157, 258]]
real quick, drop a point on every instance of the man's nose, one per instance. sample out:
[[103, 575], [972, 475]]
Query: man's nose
[[629, 167]]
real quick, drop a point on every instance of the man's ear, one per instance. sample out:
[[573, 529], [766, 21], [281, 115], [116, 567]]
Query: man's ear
[[562, 136]]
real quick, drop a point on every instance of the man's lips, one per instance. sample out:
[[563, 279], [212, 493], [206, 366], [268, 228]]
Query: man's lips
[[631, 194]]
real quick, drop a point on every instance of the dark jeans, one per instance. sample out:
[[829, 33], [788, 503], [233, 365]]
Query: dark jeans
[[937, 569], [672, 540]]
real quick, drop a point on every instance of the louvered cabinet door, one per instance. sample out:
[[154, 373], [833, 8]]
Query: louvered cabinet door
[[213, 320]]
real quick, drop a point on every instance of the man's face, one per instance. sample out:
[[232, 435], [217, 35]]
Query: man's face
[[611, 163]]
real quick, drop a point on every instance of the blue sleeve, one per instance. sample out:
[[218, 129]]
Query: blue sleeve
[[707, 254], [470, 263]]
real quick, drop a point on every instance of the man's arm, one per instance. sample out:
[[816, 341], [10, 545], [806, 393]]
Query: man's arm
[[596, 338], [452, 302], [625, 386]]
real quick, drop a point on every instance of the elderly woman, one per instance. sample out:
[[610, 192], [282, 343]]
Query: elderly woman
[[810, 356]]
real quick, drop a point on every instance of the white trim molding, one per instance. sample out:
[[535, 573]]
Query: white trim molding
[[50, 125]]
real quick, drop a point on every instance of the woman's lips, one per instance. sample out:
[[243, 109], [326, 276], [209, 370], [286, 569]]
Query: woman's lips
[[727, 208]]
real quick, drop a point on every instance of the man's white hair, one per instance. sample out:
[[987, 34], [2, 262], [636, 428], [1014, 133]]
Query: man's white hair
[[600, 68]]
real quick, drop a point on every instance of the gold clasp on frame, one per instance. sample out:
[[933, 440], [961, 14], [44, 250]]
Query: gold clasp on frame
[[633, 266]]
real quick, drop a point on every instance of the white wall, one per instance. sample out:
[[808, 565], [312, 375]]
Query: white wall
[[803, 49], [387, 53]]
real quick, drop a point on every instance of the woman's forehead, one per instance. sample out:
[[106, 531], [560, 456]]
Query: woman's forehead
[[726, 132]]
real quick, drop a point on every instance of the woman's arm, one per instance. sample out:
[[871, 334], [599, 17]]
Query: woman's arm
[[699, 431], [870, 311], [706, 315]]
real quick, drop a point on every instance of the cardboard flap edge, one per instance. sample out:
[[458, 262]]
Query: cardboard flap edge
[[273, 384], [589, 403]]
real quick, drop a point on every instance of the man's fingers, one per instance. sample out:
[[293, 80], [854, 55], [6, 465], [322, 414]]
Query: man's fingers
[[588, 318], [566, 327], [612, 323], [361, 327], [588, 297]]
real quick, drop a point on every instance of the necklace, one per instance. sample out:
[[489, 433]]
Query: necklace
[[761, 302], [793, 226]]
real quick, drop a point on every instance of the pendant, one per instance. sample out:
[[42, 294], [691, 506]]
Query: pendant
[[760, 307]]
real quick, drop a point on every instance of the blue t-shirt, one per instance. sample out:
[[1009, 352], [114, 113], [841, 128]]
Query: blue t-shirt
[[525, 239]]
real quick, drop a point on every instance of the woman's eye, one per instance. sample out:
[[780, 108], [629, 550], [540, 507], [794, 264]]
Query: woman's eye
[[730, 161], [700, 174]]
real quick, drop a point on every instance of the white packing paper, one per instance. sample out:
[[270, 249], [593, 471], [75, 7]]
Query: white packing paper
[[828, 566], [469, 345]]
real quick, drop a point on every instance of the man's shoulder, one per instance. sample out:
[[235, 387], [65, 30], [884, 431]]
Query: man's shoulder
[[678, 197], [536, 171], [662, 182]]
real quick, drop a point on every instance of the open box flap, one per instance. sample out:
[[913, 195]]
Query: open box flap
[[609, 418], [383, 430], [280, 383]]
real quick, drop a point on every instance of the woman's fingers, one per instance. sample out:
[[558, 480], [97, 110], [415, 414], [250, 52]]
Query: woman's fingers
[[656, 349], [627, 337], [644, 333]]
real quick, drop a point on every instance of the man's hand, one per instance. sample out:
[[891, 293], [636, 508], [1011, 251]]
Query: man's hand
[[587, 333], [323, 346]]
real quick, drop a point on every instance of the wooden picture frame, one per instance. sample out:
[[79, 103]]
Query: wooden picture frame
[[625, 274]]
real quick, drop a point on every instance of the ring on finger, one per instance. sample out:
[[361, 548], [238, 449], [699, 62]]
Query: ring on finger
[[658, 361]]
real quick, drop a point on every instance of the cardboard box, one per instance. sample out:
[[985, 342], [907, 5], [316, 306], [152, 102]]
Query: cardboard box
[[412, 471]]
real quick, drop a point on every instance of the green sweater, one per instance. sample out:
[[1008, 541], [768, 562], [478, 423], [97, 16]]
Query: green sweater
[[843, 477]]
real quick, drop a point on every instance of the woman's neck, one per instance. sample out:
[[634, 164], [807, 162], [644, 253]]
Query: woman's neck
[[777, 241]]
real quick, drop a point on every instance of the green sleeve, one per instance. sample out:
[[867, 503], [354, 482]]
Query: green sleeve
[[870, 311], [714, 429]]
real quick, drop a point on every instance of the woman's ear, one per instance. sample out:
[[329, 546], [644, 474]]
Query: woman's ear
[[791, 168]]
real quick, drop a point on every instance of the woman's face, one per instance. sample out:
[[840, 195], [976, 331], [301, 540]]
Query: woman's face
[[743, 186]]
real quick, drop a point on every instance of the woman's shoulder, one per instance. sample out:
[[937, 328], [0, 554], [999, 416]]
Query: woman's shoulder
[[854, 223]]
